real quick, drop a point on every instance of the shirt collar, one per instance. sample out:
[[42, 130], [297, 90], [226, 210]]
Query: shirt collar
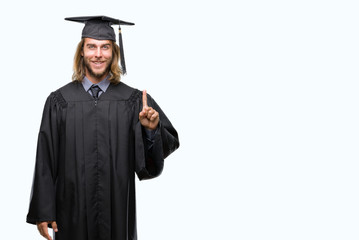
[[86, 83]]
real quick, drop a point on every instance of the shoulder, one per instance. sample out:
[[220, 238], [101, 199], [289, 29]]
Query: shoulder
[[69, 86], [73, 91], [70, 91], [61, 95], [121, 91]]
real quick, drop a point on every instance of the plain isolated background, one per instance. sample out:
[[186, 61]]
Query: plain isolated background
[[264, 95]]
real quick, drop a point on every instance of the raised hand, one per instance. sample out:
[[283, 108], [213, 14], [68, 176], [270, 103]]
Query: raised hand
[[42, 227], [149, 118]]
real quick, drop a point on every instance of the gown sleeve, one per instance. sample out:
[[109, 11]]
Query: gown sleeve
[[42, 201], [150, 160]]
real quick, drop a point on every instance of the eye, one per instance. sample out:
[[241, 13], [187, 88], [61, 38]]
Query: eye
[[90, 46], [106, 47]]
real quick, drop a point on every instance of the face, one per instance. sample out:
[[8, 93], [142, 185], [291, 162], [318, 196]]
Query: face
[[97, 57]]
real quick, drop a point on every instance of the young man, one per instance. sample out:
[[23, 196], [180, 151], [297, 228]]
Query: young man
[[96, 133]]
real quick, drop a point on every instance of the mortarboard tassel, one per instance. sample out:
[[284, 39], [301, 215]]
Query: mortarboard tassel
[[122, 54]]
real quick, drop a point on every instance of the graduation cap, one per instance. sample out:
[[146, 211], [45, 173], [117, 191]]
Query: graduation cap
[[99, 27]]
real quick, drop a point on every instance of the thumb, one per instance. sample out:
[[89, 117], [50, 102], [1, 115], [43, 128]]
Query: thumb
[[54, 226]]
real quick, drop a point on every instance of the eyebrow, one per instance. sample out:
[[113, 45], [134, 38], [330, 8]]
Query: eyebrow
[[94, 44]]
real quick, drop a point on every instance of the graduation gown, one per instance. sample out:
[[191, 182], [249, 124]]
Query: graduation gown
[[87, 155]]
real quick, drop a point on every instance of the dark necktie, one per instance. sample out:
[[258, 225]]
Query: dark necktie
[[95, 90]]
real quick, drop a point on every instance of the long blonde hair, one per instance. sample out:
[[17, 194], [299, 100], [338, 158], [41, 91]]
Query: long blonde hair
[[79, 64]]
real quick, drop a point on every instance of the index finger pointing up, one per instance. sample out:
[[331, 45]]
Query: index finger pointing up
[[144, 99]]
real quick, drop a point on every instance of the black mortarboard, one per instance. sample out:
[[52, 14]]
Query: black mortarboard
[[99, 27]]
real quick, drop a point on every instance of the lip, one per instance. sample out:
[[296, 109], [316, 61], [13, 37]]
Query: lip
[[97, 64]]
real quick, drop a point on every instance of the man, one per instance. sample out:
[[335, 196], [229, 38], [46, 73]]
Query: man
[[96, 133]]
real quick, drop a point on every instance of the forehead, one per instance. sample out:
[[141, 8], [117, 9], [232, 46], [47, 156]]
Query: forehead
[[96, 42]]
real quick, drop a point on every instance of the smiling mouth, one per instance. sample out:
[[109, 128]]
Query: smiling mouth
[[98, 62]]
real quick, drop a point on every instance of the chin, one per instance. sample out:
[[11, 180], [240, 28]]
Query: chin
[[99, 73]]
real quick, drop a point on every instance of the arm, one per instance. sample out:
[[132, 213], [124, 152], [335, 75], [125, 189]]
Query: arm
[[42, 209], [149, 162]]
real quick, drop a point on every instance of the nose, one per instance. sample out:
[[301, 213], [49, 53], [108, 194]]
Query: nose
[[98, 52]]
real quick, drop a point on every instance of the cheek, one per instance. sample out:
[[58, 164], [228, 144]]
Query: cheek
[[87, 54], [108, 55]]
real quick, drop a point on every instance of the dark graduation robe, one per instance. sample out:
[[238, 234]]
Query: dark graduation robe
[[87, 155]]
